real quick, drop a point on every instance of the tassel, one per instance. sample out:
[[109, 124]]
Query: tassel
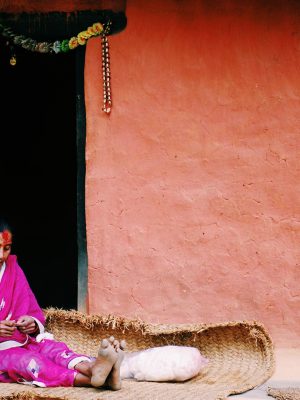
[[107, 103]]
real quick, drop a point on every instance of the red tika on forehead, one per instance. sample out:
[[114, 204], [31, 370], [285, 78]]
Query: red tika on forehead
[[6, 235]]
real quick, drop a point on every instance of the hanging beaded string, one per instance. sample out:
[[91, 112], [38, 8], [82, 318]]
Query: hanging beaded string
[[107, 103], [97, 29]]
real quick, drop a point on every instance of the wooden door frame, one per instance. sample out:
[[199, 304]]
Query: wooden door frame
[[82, 286]]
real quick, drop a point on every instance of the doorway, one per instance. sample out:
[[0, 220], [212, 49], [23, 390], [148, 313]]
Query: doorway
[[39, 170]]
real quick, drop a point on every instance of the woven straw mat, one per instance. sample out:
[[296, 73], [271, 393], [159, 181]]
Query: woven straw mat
[[285, 394], [240, 353]]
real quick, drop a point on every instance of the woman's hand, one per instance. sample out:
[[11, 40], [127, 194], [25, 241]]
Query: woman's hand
[[26, 324], [7, 328]]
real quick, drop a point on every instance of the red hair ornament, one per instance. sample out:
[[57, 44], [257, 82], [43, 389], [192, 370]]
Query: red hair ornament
[[6, 235]]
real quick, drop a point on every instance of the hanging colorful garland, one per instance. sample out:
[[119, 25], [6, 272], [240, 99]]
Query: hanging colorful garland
[[63, 46]]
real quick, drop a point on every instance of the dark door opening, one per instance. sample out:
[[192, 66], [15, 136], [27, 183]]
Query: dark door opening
[[39, 170]]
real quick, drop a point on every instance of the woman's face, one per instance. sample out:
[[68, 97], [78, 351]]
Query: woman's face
[[5, 246]]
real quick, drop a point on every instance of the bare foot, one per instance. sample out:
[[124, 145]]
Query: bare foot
[[107, 357], [114, 379]]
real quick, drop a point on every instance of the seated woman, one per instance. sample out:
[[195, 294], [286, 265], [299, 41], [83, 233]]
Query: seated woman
[[28, 357]]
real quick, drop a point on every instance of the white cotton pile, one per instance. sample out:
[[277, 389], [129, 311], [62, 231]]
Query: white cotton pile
[[161, 364]]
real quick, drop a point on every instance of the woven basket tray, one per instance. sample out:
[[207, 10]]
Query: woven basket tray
[[285, 393], [240, 353]]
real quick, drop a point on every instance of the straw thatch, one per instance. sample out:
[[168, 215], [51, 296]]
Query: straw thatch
[[285, 394], [240, 353]]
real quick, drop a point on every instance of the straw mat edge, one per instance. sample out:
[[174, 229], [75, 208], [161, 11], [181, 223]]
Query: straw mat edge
[[241, 357], [284, 394]]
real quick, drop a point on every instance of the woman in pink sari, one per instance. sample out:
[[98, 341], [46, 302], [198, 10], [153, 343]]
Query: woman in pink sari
[[26, 354]]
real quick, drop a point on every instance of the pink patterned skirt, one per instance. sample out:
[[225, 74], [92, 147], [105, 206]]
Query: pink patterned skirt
[[48, 363]]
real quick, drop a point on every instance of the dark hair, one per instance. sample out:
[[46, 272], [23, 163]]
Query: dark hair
[[4, 225]]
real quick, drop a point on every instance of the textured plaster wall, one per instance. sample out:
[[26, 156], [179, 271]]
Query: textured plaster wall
[[192, 186]]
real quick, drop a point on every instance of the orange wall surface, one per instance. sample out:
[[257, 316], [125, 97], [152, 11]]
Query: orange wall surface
[[192, 185]]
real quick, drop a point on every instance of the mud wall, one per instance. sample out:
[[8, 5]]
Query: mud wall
[[192, 187]]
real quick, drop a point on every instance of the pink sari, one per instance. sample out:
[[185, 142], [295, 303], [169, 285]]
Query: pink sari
[[22, 358], [17, 299]]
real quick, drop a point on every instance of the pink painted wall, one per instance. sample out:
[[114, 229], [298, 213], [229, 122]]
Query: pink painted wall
[[192, 187]]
